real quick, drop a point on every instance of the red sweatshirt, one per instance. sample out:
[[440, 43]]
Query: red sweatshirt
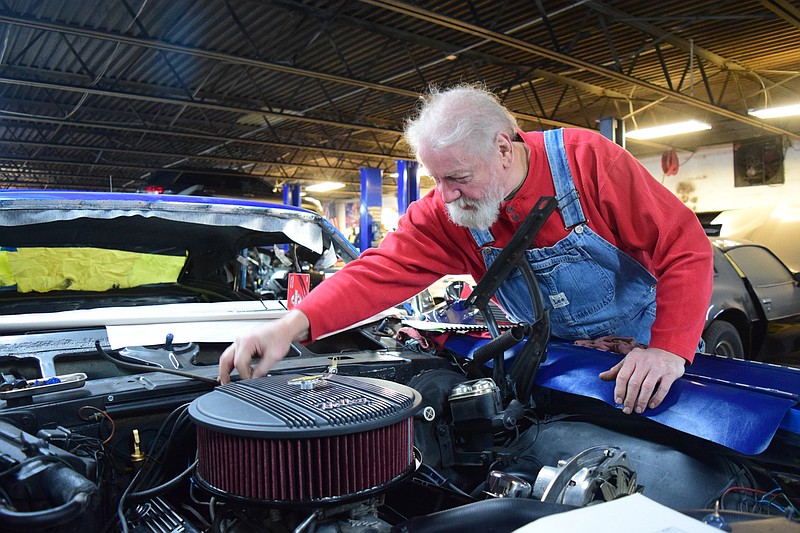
[[622, 202]]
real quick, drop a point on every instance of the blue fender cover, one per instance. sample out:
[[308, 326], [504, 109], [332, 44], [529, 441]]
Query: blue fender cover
[[737, 404]]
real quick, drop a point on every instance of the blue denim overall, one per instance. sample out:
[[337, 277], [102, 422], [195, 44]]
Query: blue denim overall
[[591, 287]]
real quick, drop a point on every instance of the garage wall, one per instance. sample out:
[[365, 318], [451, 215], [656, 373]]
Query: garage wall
[[705, 180]]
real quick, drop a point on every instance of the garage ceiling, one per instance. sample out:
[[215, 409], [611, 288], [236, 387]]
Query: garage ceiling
[[100, 94]]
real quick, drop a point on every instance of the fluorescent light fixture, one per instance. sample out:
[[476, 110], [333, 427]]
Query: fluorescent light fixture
[[777, 112], [325, 186], [668, 129]]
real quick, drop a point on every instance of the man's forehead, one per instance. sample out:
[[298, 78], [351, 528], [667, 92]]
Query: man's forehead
[[447, 161]]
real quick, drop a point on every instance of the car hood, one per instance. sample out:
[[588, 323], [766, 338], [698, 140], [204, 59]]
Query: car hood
[[149, 222]]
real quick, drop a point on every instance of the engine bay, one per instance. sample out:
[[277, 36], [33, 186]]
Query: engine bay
[[112, 417], [365, 439]]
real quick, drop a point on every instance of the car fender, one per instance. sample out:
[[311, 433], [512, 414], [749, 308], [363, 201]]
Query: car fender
[[737, 404]]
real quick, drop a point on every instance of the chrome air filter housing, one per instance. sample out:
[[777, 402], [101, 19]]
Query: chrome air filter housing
[[297, 439]]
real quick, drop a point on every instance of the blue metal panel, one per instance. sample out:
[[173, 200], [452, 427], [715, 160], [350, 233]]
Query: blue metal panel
[[743, 419], [753, 375], [407, 184], [371, 191], [749, 373], [24, 194], [738, 404]]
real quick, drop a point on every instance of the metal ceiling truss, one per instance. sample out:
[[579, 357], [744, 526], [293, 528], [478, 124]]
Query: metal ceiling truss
[[293, 91], [575, 62]]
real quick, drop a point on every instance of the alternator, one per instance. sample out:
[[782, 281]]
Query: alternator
[[600, 473]]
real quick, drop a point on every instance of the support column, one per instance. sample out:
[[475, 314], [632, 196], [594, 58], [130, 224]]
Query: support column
[[613, 129], [341, 217], [291, 195], [407, 185], [370, 211]]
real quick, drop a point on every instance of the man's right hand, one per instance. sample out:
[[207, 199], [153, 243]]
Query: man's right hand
[[270, 343]]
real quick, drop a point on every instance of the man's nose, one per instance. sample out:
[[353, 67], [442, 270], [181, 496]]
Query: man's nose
[[448, 192]]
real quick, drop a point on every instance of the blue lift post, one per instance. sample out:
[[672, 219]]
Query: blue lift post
[[613, 129], [407, 185], [291, 195], [370, 210]]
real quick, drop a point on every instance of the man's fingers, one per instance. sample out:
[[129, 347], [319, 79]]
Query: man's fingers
[[643, 378], [242, 358], [226, 365], [262, 368], [611, 373], [631, 391], [623, 384], [645, 392], [662, 390]]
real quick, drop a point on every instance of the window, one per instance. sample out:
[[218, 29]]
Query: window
[[758, 162], [760, 266]]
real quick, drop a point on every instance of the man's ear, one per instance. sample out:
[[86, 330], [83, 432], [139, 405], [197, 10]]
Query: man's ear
[[506, 148]]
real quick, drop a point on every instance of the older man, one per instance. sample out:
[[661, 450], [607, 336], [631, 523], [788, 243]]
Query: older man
[[621, 248]]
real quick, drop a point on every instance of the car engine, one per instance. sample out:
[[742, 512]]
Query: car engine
[[407, 441]]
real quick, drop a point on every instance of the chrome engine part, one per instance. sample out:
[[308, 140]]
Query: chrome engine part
[[599, 473], [505, 485]]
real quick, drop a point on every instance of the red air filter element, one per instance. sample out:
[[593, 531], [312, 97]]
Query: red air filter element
[[275, 439]]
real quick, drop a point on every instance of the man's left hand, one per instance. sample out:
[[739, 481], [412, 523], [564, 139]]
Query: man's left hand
[[644, 377]]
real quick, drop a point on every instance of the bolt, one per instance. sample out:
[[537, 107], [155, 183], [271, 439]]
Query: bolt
[[110, 398], [429, 413]]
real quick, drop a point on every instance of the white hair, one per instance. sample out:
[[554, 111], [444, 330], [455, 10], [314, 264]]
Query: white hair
[[468, 115]]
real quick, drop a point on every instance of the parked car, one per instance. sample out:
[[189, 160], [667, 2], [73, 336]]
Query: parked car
[[219, 185], [755, 306], [115, 308]]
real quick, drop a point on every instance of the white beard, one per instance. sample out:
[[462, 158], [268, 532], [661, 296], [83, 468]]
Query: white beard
[[482, 213]]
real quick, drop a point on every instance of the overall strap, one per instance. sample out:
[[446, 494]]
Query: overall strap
[[482, 237], [568, 197]]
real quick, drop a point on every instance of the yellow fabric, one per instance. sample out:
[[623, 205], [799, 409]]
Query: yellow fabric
[[6, 276], [87, 269]]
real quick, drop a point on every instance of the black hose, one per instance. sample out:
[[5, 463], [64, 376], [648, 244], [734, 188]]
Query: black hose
[[499, 515], [155, 491], [36, 520], [508, 339], [145, 368]]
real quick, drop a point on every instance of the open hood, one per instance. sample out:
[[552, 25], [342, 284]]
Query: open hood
[[148, 222]]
